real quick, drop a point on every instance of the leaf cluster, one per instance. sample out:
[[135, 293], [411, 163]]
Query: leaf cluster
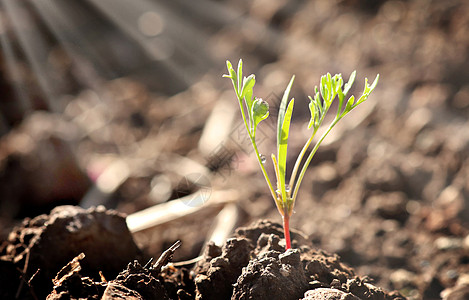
[[257, 109], [330, 88]]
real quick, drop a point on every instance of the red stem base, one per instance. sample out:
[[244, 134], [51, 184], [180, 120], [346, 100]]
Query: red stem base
[[286, 231]]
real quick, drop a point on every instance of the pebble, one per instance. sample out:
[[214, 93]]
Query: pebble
[[328, 294]]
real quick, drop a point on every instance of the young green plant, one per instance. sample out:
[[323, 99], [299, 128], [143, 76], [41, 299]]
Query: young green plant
[[254, 110]]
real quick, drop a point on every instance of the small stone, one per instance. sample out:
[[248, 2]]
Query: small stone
[[328, 294]]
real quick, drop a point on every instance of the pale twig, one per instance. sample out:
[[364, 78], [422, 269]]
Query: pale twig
[[176, 209]]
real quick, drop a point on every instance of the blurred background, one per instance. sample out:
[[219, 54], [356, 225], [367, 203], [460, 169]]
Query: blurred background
[[121, 103]]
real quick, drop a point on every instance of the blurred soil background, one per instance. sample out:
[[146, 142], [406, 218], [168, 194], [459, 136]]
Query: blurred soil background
[[122, 104]]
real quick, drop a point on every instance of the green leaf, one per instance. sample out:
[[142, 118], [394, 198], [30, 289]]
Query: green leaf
[[339, 83], [247, 94], [233, 76], [374, 84], [240, 76], [368, 90], [260, 111], [282, 108], [340, 95], [313, 111], [329, 89], [335, 85], [229, 66], [349, 105], [249, 99], [319, 104], [323, 87], [349, 84], [248, 84], [282, 149]]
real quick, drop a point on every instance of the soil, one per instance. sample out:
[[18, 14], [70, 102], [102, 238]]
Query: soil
[[386, 195], [251, 265]]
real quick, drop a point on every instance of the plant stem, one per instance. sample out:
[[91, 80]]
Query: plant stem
[[261, 164], [278, 201], [310, 157], [286, 230], [253, 142], [303, 152], [271, 188], [298, 161]]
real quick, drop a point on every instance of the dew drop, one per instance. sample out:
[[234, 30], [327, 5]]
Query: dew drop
[[262, 157]]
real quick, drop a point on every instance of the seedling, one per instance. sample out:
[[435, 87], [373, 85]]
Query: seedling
[[254, 110]]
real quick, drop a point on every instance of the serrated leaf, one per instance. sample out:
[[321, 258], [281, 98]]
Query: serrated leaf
[[368, 89], [336, 84], [282, 108], [259, 112], [315, 111]]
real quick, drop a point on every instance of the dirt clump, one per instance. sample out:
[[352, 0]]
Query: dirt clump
[[283, 273], [273, 273], [75, 254], [40, 247]]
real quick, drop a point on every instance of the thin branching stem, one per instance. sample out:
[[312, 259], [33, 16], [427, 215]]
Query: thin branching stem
[[266, 176], [303, 152], [299, 159], [253, 142], [310, 157]]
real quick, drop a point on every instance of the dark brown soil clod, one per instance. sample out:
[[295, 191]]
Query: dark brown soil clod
[[283, 273], [71, 246], [48, 242], [272, 273]]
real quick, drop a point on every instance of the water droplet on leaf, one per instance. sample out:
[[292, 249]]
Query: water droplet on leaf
[[262, 157]]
